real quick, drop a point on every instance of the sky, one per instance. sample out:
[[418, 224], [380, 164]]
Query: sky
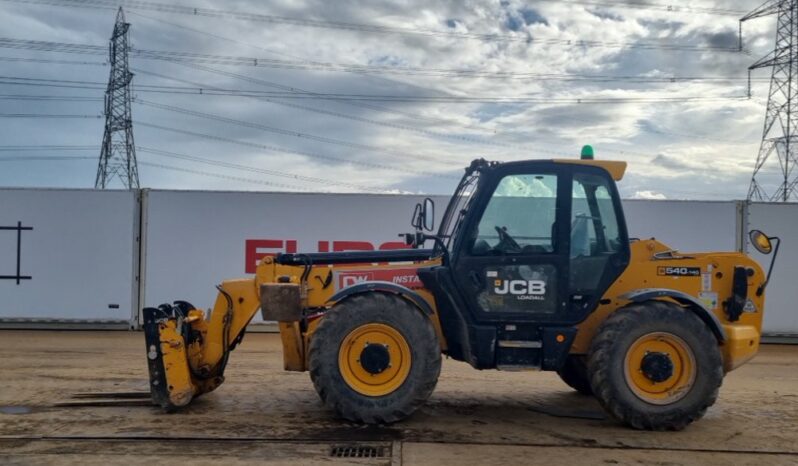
[[502, 80]]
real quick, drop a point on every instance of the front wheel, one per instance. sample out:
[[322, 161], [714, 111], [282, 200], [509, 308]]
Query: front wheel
[[374, 358], [655, 366]]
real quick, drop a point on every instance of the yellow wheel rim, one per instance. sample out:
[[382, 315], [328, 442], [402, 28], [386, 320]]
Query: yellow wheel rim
[[380, 338], [667, 386]]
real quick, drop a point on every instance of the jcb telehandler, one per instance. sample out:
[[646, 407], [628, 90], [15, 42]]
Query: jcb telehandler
[[531, 269]]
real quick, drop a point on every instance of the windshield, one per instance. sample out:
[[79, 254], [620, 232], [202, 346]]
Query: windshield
[[457, 208]]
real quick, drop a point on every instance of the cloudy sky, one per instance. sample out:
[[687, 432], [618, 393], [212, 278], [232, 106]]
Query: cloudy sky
[[504, 80]]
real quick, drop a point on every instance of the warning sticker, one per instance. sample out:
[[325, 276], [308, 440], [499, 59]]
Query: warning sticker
[[706, 281], [749, 306], [708, 299]]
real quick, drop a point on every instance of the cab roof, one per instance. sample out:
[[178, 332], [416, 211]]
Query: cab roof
[[614, 167]]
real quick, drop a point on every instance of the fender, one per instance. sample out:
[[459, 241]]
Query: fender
[[384, 287], [690, 302]]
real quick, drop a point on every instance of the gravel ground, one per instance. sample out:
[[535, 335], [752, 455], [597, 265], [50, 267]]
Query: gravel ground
[[265, 415]]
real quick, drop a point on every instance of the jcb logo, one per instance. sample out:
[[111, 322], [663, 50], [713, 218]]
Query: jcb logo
[[520, 287]]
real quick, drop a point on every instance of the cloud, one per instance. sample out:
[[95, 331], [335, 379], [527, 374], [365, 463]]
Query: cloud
[[650, 195], [699, 149]]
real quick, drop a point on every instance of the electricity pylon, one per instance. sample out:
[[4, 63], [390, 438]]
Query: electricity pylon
[[118, 153]]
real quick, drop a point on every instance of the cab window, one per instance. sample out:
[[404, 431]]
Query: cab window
[[519, 218], [595, 236]]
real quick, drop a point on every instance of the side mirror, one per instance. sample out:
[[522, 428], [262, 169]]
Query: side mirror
[[760, 241], [428, 211], [424, 215], [764, 244]]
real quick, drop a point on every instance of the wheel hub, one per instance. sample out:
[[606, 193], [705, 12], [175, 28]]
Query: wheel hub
[[375, 358], [657, 367], [660, 368]]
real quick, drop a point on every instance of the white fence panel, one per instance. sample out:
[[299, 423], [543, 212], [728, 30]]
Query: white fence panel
[[82, 253], [76, 262], [689, 226], [781, 303]]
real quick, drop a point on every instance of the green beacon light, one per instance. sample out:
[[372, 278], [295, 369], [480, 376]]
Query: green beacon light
[[587, 152]]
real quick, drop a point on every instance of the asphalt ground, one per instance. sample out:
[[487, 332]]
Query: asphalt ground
[[263, 415]]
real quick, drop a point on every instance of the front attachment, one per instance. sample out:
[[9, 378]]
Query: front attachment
[[174, 334], [170, 376]]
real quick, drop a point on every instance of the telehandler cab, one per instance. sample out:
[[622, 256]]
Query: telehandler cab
[[531, 269]]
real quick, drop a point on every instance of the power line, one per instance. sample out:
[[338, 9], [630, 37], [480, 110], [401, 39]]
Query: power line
[[258, 170], [276, 130], [213, 91], [193, 57], [290, 151], [59, 148], [670, 8], [219, 175], [57, 98], [359, 119], [49, 115], [423, 131], [360, 27], [52, 61], [43, 158], [415, 116]]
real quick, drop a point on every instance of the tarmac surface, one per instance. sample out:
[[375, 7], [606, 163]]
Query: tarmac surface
[[263, 415]]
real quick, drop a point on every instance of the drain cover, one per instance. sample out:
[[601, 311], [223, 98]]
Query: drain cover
[[357, 451]]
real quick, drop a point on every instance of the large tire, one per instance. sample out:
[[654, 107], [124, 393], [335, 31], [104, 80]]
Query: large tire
[[574, 374], [342, 381], [629, 369]]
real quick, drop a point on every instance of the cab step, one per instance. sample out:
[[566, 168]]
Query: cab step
[[520, 344], [517, 368], [518, 355]]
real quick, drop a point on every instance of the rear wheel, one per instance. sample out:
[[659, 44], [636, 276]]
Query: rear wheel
[[374, 358], [574, 374], [655, 366]]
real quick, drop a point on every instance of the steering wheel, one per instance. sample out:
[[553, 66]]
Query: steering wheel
[[507, 240]]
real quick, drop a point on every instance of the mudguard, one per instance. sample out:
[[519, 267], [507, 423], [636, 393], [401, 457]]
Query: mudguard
[[384, 287], [690, 302]]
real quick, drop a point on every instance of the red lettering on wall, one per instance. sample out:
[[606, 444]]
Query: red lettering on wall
[[257, 249], [253, 250], [394, 245], [352, 246]]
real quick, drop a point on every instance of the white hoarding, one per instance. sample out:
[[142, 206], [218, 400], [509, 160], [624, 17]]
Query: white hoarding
[[77, 257], [68, 255], [196, 239], [781, 303], [689, 226]]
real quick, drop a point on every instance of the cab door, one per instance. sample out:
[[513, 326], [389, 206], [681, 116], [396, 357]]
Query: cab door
[[511, 261], [542, 244]]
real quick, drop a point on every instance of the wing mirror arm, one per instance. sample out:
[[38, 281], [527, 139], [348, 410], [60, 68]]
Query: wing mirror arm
[[418, 239], [761, 288]]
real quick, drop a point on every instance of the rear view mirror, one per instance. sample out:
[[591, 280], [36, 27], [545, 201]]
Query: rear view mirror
[[760, 241], [424, 215], [429, 214]]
